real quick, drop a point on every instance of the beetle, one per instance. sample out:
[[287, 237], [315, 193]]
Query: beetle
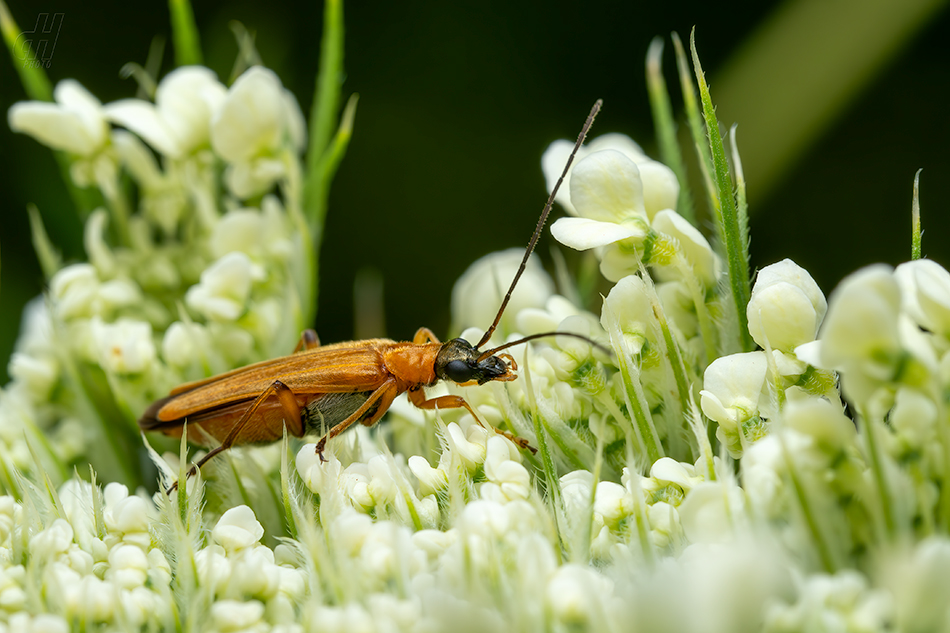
[[321, 387]]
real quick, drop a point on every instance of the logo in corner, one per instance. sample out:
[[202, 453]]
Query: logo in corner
[[35, 48]]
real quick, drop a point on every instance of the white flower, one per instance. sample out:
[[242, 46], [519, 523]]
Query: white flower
[[919, 580], [124, 347], [925, 291], [75, 123], [612, 502], [691, 245], [319, 477], [511, 478], [253, 232], [914, 419], [24, 622], [179, 121], [786, 306], [824, 423], [185, 343], [841, 602], [478, 293], [607, 191], [470, 449], [660, 187], [237, 528], [710, 510], [38, 374], [254, 573], [74, 289], [124, 514], [128, 567], [607, 194], [630, 305], [257, 119], [213, 568], [733, 386], [52, 541], [576, 595], [669, 471], [430, 479], [868, 340], [224, 289], [232, 615], [576, 487]]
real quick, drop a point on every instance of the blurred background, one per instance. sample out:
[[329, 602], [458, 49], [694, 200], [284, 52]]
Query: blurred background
[[838, 103]]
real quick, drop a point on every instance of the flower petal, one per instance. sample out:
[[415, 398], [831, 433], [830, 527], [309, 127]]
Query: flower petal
[[582, 234], [606, 186], [251, 120], [142, 118]]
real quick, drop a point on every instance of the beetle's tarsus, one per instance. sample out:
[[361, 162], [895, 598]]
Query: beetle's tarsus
[[319, 449]]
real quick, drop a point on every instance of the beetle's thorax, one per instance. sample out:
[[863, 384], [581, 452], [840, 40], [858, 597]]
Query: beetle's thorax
[[412, 364]]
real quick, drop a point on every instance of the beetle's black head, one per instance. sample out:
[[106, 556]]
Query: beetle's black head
[[458, 361]]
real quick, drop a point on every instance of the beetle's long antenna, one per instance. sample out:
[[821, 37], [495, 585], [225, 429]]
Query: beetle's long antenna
[[491, 352], [541, 221]]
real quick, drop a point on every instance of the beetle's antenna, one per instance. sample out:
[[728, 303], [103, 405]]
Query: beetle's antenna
[[491, 352], [541, 221]]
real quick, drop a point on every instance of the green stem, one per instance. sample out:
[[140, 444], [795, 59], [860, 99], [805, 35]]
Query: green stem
[[877, 471], [698, 295], [742, 203], [671, 350], [184, 33], [915, 252], [828, 562], [636, 399], [321, 157]]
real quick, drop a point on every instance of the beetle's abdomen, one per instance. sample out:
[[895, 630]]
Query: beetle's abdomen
[[328, 410]]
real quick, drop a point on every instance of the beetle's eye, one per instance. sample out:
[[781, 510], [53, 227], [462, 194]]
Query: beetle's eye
[[458, 371]]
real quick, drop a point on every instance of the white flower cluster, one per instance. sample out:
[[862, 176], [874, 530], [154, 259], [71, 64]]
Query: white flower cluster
[[99, 566], [790, 516], [195, 269]]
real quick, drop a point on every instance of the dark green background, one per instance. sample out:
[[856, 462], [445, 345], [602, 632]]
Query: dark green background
[[459, 100]]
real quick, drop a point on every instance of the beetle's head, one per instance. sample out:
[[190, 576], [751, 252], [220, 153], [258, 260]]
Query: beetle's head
[[460, 362]]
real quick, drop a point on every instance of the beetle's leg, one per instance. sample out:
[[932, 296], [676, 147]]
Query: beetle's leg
[[308, 340], [418, 398], [288, 402], [384, 395], [425, 335]]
